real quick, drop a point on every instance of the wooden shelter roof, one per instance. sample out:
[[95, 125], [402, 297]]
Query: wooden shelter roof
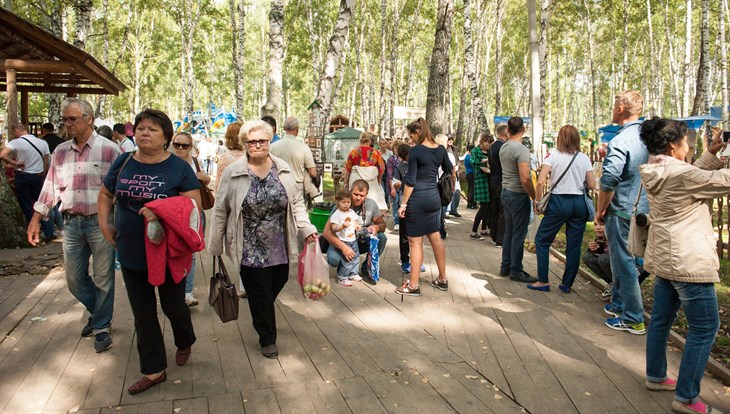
[[46, 63]]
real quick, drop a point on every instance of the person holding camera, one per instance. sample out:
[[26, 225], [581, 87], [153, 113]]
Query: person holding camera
[[681, 253]]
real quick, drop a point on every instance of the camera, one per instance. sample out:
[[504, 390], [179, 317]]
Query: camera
[[642, 220], [725, 136]]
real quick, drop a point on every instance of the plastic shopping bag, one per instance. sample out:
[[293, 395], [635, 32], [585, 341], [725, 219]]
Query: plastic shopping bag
[[374, 259], [313, 273]]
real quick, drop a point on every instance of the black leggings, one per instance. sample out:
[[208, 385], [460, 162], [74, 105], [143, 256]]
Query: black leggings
[[482, 216], [262, 287]]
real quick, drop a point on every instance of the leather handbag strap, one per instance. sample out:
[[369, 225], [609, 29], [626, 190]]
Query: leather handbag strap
[[197, 166], [638, 198], [116, 185], [555, 184]]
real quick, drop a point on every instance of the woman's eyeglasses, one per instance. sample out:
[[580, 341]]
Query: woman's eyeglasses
[[181, 146], [259, 142]]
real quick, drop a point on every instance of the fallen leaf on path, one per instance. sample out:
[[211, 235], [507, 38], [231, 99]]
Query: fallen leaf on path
[[483, 381], [424, 380], [588, 393], [497, 397], [471, 377], [445, 375], [178, 381]]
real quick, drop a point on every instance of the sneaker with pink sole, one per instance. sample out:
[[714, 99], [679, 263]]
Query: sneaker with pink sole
[[694, 408]]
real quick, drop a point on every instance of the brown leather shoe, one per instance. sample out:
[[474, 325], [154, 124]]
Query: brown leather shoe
[[182, 355], [145, 383], [270, 351]]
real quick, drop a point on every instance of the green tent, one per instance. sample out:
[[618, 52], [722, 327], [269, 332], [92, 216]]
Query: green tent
[[344, 133]]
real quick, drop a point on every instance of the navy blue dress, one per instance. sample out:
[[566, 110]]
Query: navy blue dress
[[423, 213]]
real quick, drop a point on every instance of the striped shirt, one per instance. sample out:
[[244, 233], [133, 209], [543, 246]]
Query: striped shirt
[[75, 176]]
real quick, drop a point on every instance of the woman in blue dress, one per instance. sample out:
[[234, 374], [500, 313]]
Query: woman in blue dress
[[421, 204]]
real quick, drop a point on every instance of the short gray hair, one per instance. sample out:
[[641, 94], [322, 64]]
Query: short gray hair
[[291, 124], [86, 109], [255, 125]]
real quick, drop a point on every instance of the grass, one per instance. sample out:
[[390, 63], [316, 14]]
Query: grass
[[721, 349]]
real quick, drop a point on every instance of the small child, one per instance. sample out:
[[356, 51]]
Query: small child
[[345, 224]]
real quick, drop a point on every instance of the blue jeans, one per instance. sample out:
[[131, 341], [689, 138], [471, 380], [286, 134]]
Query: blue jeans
[[396, 205], [82, 239], [626, 297], [700, 307], [190, 277], [566, 209], [334, 255], [455, 199], [347, 268], [517, 208]]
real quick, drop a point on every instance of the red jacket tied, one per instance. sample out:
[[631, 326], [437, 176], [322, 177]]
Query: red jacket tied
[[180, 218]]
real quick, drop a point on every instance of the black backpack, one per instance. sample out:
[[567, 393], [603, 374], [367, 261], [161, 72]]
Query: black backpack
[[446, 189]]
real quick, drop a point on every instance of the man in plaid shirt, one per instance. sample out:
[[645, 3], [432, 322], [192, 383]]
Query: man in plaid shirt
[[78, 168]]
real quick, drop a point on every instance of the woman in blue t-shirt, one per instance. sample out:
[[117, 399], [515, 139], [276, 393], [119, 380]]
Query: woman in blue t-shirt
[[150, 173]]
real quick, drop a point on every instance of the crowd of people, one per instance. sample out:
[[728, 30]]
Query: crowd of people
[[127, 190]]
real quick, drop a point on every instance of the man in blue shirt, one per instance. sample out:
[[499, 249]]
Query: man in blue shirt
[[469, 170], [619, 187]]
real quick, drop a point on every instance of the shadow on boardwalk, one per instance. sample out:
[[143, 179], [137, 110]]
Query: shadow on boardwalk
[[486, 345]]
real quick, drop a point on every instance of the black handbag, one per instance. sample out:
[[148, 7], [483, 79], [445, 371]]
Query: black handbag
[[446, 189], [223, 296]]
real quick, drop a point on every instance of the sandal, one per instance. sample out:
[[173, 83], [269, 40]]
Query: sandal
[[145, 383], [408, 290]]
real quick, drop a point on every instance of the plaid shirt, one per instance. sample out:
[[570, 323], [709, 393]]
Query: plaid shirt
[[481, 179], [76, 175]]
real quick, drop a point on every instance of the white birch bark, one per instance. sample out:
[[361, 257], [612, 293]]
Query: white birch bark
[[276, 60], [336, 44], [723, 58], [83, 9], [535, 80], [651, 109], [470, 71], [590, 28], [675, 93], [687, 59], [625, 48], [439, 69], [499, 67], [545, 11], [237, 26], [701, 101], [393, 93], [101, 103], [409, 73]]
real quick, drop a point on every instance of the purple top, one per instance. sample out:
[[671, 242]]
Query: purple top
[[264, 222]]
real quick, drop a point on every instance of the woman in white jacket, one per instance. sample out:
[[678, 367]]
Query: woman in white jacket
[[681, 253]]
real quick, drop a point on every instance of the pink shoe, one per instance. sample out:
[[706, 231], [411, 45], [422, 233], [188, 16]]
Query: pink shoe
[[694, 408], [668, 384]]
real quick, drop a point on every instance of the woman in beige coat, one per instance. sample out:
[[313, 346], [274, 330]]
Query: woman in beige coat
[[681, 253], [260, 217]]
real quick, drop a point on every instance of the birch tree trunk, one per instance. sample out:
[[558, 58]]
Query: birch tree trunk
[[83, 9], [625, 61], [336, 44], [653, 75], [438, 73], [545, 11], [276, 58], [701, 102], [674, 89], [463, 98], [535, 79], [411, 51], [57, 23], [470, 69], [723, 58], [687, 59], [590, 26], [187, 20], [394, 42], [498, 68], [237, 15], [383, 60], [101, 103]]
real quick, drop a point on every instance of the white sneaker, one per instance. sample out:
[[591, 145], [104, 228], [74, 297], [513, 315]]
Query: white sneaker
[[396, 227], [190, 299], [356, 278]]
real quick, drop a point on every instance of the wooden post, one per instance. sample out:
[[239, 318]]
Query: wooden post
[[24, 107], [12, 90]]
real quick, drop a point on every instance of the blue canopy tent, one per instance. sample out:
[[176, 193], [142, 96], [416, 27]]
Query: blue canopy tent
[[716, 111], [503, 119], [693, 122]]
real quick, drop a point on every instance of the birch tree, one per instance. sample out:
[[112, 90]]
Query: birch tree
[[687, 59], [438, 73], [590, 26], [237, 12], [276, 57], [723, 58], [701, 104], [470, 69], [83, 9], [498, 67], [535, 79], [332, 59]]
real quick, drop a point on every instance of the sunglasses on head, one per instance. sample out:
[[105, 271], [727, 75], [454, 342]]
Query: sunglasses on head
[[179, 145]]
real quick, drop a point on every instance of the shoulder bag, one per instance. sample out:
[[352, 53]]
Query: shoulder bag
[[542, 205], [223, 296], [206, 194], [445, 187], [638, 234]]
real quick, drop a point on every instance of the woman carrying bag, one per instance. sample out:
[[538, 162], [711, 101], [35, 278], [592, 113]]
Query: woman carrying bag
[[573, 174]]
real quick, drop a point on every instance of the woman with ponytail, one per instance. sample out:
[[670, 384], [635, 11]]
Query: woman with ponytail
[[421, 204], [681, 252]]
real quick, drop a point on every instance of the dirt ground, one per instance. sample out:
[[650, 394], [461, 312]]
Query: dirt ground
[[30, 261]]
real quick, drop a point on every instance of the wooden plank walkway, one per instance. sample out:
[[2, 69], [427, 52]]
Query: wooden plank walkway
[[488, 345]]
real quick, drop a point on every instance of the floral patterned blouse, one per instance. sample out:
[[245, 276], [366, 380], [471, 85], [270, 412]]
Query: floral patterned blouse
[[363, 156], [264, 222]]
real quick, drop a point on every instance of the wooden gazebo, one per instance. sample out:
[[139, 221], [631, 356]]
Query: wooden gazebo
[[33, 60]]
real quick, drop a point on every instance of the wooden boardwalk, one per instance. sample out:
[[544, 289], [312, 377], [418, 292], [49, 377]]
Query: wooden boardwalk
[[487, 345]]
